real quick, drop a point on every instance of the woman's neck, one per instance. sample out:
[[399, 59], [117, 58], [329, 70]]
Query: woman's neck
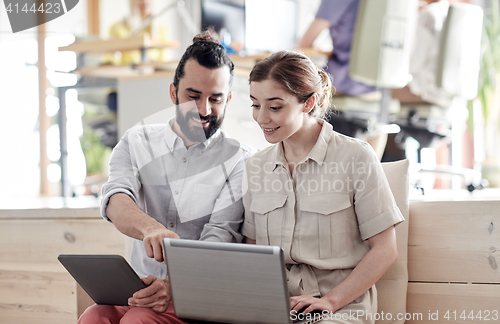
[[298, 146]]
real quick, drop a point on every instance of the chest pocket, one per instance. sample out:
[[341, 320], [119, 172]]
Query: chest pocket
[[322, 225], [268, 212]]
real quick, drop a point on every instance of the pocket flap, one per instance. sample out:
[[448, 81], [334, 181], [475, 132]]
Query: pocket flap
[[263, 204], [325, 203]]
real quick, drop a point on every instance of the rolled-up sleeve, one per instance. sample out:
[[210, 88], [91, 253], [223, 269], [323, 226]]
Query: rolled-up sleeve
[[123, 175], [375, 207]]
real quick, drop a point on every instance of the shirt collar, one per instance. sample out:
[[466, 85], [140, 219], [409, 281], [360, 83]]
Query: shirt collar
[[174, 141], [213, 139], [318, 152], [171, 138], [279, 156], [319, 149]]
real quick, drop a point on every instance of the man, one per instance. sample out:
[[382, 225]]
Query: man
[[182, 180]]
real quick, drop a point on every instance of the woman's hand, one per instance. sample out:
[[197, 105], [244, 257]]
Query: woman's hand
[[312, 303], [375, 263], [156, 296]]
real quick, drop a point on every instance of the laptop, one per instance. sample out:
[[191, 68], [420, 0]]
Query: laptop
[[229, 283]]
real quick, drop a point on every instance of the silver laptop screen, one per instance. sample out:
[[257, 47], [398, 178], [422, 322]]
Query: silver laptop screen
[[237, 283]]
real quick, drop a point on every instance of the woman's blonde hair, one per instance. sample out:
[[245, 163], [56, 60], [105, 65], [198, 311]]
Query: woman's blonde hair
[[298, 75]]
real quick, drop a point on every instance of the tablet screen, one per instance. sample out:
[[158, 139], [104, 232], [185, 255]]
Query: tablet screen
[[107, 279]]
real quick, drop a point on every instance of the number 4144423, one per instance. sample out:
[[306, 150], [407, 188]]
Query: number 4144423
[[47, 8], [485, 315]]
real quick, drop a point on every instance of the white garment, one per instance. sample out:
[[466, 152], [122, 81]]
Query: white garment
[[424, 58], [194, 192]]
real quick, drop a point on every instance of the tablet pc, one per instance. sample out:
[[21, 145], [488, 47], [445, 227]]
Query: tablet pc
[[107, 279]]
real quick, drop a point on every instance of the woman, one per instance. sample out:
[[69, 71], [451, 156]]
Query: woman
[[321, 196]]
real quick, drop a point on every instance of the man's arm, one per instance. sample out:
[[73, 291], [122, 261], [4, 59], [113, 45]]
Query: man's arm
[[120, 204], [129, 219]]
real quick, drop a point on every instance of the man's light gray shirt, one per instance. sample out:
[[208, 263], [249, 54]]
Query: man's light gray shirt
[[194, 192]]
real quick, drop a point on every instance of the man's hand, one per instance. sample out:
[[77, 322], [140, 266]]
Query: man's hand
[[156, 296], [132, 221], [153, 241]]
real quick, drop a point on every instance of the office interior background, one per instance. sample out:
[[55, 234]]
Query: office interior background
[[29, 172], [448, 251]]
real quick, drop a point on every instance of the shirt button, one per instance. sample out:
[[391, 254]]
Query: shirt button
[[184, 160], [177, 192], [171, 224]]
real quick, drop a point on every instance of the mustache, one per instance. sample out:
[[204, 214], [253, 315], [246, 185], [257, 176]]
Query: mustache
[[209, 118]]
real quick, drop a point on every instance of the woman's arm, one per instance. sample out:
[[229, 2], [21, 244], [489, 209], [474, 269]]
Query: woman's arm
[[312, 32], [376, 262]]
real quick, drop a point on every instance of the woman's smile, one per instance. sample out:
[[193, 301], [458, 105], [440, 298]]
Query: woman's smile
[[269, 131]]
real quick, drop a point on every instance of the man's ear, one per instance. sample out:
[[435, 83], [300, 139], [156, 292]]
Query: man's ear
[[309, 104], [173, 93], [229, 97]]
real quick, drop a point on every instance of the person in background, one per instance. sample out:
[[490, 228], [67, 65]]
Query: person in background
[[339, 16], [423, 88], [177, 180], [321, 196]]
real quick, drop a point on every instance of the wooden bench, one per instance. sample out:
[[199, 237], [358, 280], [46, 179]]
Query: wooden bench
[[452, 261], [34, 287]]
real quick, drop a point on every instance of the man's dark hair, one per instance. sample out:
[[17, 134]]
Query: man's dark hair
[[208, 52]]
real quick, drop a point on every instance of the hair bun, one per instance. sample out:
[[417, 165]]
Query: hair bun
[[325, 100], [205, 37]]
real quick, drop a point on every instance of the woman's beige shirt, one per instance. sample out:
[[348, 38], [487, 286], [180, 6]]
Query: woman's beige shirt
[[322, 216]]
